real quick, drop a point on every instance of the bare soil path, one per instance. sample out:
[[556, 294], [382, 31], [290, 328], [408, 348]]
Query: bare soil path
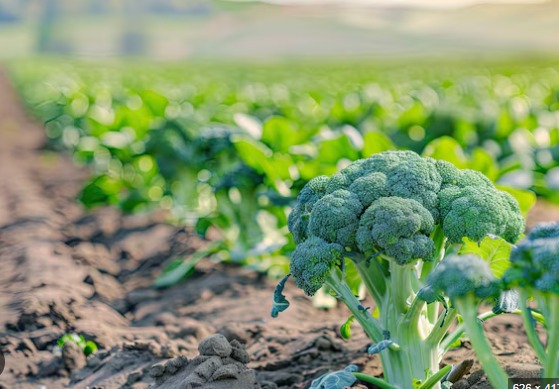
[[65, 270]]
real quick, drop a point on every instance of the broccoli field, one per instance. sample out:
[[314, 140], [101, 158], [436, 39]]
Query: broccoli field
[[288, 224]]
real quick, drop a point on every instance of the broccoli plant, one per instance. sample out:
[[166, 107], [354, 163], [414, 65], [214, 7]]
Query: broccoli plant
[[467, 280], [391, 218], [534, 272]]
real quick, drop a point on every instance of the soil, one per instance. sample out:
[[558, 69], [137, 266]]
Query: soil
[[68, 270]]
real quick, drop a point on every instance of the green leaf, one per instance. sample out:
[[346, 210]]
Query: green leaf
[[336, 380], [156, 102], [280, 134], [100, 190], [526, 198], [447, 149], [177, 272], [280, 303], [74, 338], [376, 142], [493, 249], [352, 277], [345, 329], [330, 151], [276, 167], [482, 161], [90, 347]]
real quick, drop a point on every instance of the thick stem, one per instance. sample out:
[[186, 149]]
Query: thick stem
[[530, 328], [551, 366], [440, 245], [441, 328], [400, 279], [467, 307], [343, 292], [371, 275]]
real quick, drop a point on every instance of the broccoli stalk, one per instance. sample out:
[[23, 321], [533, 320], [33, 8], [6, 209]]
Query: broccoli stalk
[[393, 216], [467, 306], [534, 272]]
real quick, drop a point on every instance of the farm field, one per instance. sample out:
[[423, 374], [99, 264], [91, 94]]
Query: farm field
[[145, 206]]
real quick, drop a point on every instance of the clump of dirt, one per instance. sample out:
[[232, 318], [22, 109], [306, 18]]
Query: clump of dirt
[[220, 365]]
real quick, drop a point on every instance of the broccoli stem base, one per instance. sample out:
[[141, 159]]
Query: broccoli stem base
[[407, 326]]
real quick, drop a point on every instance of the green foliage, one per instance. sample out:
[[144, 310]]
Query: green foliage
[[88, 347], [336, 380], [493, 249], [229, 147]]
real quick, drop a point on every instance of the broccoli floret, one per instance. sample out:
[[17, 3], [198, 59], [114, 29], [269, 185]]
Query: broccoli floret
[[335, 217], [534, 271], [460, 275], [535, 260], [398, 226], [298, 219], [452, 176], [370, 188], [475, 211], [312, 261], [416, 178]]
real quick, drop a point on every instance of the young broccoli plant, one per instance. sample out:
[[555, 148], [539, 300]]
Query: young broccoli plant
[[392, 217], [467, 280], [534, 272]]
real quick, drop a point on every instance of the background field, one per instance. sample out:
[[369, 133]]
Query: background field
[[151, 151]]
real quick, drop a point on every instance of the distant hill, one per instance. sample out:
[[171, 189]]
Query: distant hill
[[172, 29]]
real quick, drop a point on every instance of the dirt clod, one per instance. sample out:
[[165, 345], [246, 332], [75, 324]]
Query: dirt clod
[[212, 369], [73, 357]]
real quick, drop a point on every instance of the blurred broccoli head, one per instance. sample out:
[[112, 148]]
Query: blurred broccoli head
[[392, 201], [459, 276], [535, 260], [312, 261]]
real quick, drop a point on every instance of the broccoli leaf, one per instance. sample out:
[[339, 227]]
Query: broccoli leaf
[[493, 249], [280, 303], [336, 380], [345, 329], [378, 347]]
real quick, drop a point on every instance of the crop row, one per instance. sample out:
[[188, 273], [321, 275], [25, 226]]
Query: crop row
[[230, 146]]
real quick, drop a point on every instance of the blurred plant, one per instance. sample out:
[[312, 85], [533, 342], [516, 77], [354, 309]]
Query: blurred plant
[[88, 347]]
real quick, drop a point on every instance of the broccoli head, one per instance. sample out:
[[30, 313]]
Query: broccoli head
[[464, 275], [312, 261], [535, 260], [392, 201]]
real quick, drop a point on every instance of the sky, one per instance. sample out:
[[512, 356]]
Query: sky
[[408, 3]]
